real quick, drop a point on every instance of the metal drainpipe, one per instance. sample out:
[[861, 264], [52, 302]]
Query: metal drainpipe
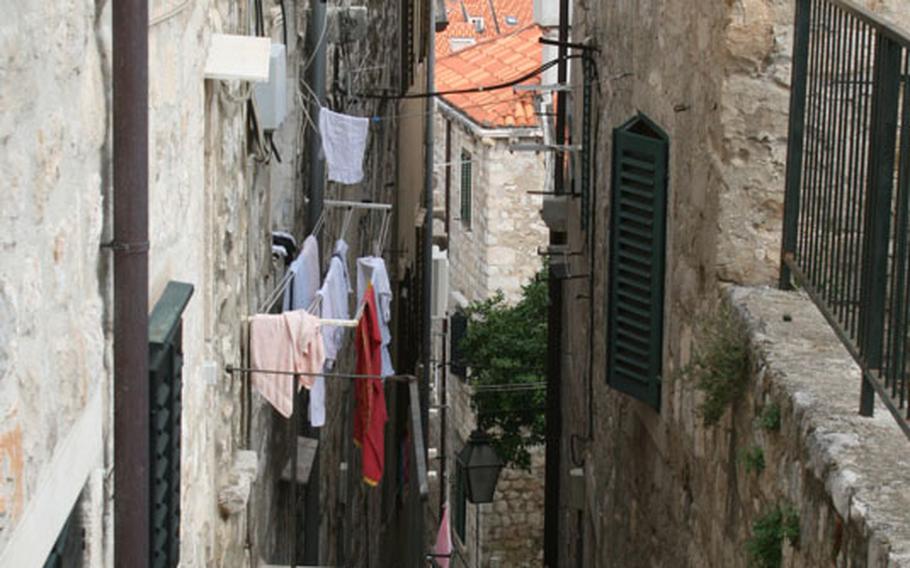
[[316, 46], [552, 508], [130, 247], [427, 339]]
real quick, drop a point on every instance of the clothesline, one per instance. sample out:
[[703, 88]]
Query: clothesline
[[246, 370]]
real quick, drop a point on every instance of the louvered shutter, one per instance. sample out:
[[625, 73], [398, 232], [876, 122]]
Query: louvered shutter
[[637, 246], [459, 328], [166, 385]]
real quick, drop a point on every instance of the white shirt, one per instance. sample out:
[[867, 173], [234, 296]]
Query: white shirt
[[300, 292], [373, 267]]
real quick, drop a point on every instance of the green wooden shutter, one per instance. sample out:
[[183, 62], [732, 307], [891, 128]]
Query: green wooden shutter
[[165, 375], [457, 332], [467, 187], [637, 247], [459, 511]]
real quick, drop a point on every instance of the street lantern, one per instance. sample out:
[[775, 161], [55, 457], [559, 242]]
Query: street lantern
[[481, 467]]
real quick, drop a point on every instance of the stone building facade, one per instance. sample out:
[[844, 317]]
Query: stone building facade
[[215, 196], [644, 486], [487, 210]]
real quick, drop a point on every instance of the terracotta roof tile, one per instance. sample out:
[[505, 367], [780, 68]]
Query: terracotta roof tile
[[521, 10], [493, 61]]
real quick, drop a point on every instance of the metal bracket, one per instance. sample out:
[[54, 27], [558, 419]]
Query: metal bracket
[[128, 248]]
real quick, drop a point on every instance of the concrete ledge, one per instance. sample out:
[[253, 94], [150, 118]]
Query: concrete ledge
[[863, 464]]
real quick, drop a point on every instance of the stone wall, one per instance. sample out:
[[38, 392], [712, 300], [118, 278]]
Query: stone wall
[[209, 226], [668, 489], [499, 249], [646, 488], [53, 366]]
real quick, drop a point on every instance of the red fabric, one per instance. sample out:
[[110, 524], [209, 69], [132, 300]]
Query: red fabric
[[369, 395]]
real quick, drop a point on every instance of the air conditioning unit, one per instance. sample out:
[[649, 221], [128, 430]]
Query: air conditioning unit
[[440, 293]]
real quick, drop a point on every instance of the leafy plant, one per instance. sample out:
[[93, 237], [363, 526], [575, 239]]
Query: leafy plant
[[505, 348], [768, 534], [720, 363], [770, 418], [753, 459]]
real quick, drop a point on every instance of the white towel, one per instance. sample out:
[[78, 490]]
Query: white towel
[[344, 141]]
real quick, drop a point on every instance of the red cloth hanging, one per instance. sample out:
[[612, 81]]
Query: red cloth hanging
[[369, 394]]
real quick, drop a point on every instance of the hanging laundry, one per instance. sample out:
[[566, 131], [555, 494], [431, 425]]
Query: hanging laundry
[[289, 342], [334, 296], [300, 292], [372, 268], [369, 394], [344, 141], [443, 548]]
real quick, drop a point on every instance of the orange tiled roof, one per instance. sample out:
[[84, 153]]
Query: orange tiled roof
[[490, 62], [522, 11]]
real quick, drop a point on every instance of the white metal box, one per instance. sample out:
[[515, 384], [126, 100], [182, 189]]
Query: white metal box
[[271, 97]]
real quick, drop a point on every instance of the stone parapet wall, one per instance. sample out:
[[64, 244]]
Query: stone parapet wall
[[665, 489]]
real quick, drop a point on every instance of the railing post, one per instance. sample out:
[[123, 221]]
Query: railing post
[[796, 136], [877, 223]]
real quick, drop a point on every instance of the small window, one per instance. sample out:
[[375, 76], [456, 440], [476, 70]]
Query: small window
[[511, 20], [459, 510], [477, 22], [165, 401], [467, 187], [635, 296]]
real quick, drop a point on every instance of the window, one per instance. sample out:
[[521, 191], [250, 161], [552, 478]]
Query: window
[[467, 183], [459, 510], [635, 295], [165, 386]]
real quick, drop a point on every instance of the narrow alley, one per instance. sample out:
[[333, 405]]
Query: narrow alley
[[455, 283]]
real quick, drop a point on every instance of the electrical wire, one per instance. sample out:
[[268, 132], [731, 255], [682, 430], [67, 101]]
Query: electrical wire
[[479, 89]]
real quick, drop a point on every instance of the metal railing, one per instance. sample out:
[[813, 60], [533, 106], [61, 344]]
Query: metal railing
[[847, 203]]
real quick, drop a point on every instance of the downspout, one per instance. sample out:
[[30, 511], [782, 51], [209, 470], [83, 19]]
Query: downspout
[[130, 247], [316, 40], [427, 339], [552, 505]]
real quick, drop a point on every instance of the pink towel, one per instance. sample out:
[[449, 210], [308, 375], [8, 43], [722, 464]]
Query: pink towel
[[290, 342], [443, 540]]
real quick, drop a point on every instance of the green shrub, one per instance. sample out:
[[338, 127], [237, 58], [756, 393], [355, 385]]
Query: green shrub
[[770, 418], [765, 547], [753, 459], [720, 363]]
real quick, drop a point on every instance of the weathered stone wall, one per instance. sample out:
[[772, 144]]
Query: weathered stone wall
[[209, 226], [660, 488], [52, 344]]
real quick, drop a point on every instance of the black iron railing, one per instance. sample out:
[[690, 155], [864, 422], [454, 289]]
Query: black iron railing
[[848, 189]]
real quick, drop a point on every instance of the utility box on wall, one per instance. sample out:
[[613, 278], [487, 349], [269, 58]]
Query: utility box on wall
[[271, 97]]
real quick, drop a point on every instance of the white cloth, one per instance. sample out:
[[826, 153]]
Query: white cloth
[[373, 268], [300, 292], [335, 294], [344, 141]]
